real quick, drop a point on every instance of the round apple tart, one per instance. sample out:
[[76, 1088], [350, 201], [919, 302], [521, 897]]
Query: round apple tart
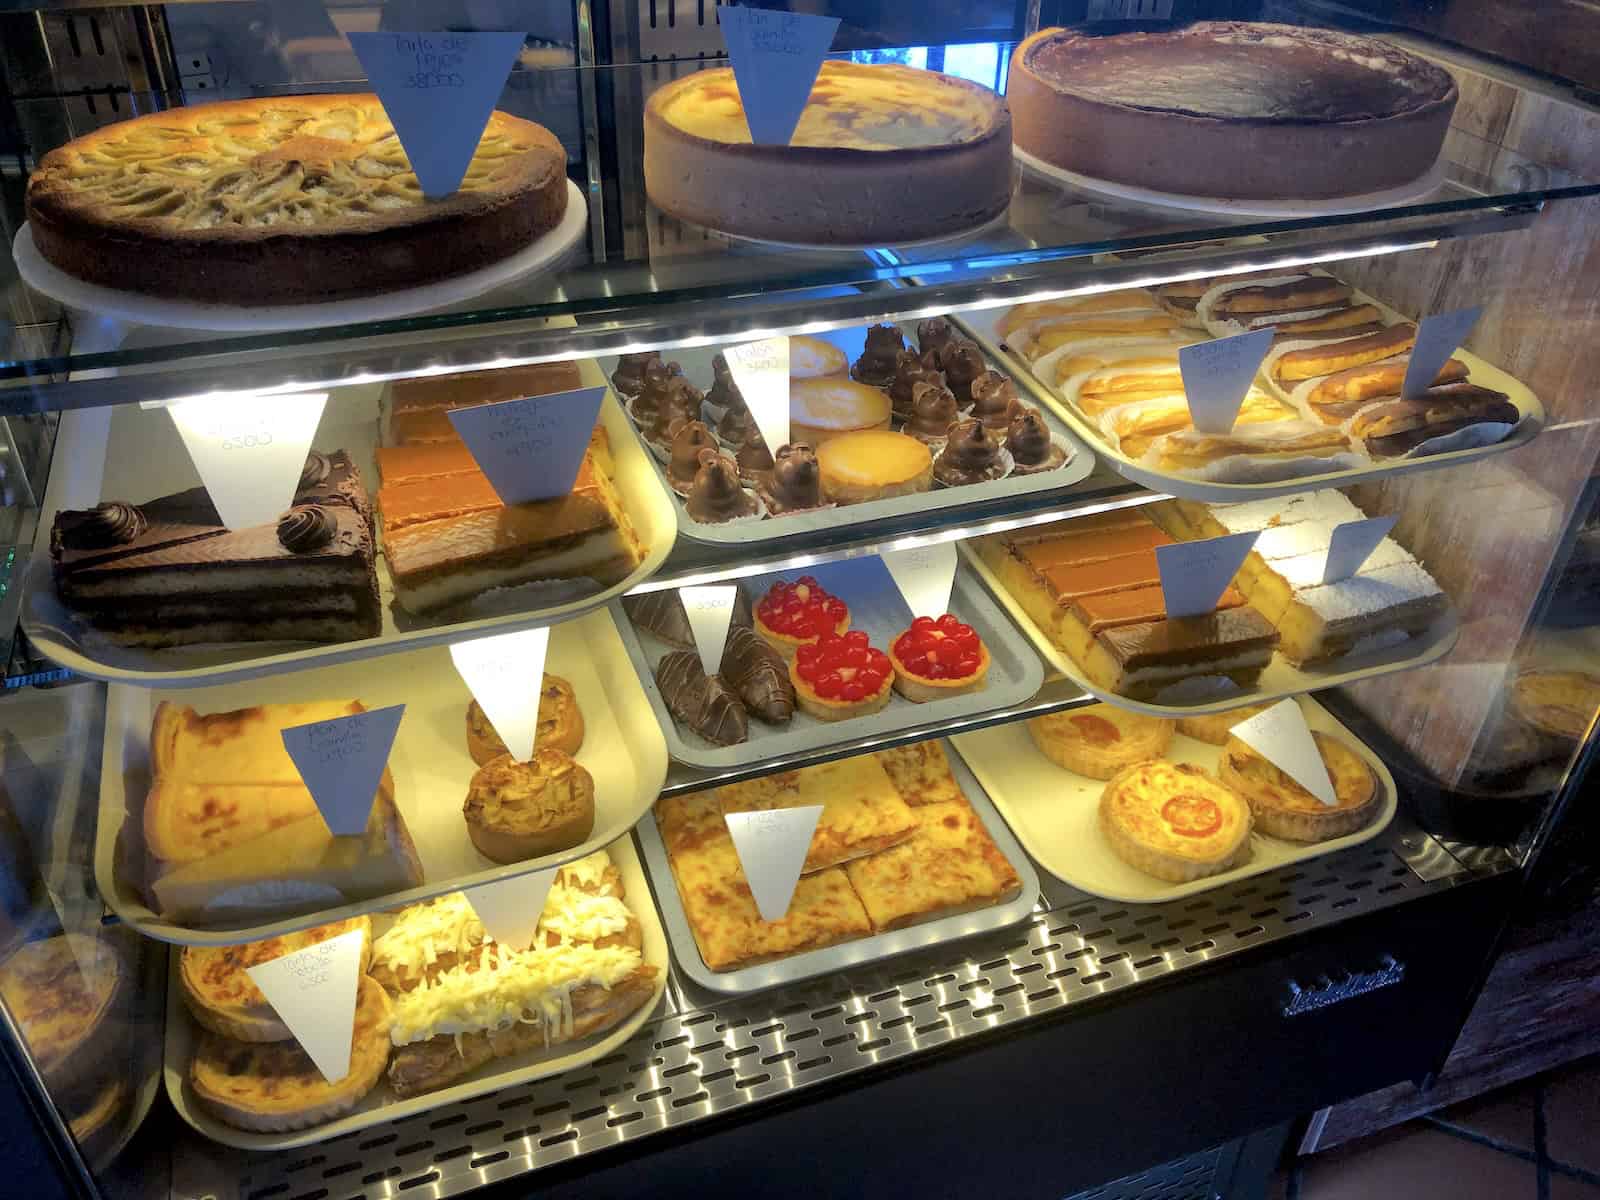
[[284, 200]]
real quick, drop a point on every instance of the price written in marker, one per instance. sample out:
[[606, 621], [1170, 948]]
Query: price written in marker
[[438, 90], [709, 609], [1217, 375], [249, 455], [1351, 544], [1438, 337], [924, 575], [341, 762], [775, 57], [505, 675], [1195, 574], [1282, 737], [510, 909], [772, 845], [761, 370], [531, 448], [314, 992]]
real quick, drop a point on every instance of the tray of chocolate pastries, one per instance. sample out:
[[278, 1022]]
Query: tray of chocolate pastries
[[819, 656], [884, 421]]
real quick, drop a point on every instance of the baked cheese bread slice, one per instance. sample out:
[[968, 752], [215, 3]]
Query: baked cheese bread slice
[[1282, 808], [920, 773], [950, 866]]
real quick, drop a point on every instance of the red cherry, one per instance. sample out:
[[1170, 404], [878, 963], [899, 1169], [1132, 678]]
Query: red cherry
[[829, 683], [917, 665], [880, 661], [853, 691], [922, 623], [948, 622], [857, 656], [808, 581], [936, 670], [872, 680], [807, 671]]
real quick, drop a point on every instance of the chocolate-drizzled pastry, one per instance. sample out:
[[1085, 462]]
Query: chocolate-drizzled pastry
[[1030, 444], [101, 527], [737, 426], [909, 370], [759, 674], [716, 495], [933, 411], [972, 455], [628, 378], [724, 393], [683, 462], [754, 459], [962, 363], [306, 527], [933, 333], [702, 702], [661, 615], [994, 400], [876, 366], [796, 481]]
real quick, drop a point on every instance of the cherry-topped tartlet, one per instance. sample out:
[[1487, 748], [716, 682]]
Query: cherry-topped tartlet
[[796, 614], [935, 659], [841, 676]]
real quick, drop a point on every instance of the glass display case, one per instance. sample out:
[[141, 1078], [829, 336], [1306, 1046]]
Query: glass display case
[[1161, 540]]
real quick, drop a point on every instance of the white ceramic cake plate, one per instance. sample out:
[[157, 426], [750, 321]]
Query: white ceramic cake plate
[[380, 1104], [870, 949], [1406, 193], [149, 460], [1055, 812], [543, 252], [1279, 678], [622, 749], [982, 327]]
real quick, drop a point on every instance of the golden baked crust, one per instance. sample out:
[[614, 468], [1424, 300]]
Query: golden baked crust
[[517, 810], [951, 865], [284, 199], [560, 723], [920, 772], [1282, 808], [63, 992], [1562, 703], [862, 812], [1173, 821], [874, 464], [1098, 740]]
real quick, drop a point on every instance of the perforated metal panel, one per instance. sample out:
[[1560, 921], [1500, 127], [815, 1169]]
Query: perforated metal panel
[[711, 1055], [1195, 1177]]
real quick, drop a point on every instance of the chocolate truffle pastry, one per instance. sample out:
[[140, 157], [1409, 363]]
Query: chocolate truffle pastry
[[933, 411], [994, 400], [656, 390], [628, 378], [876, 366], [716, 496], [795, 483], [683, 462], [755, 460], [521, 810], [909, 370], [679, 401], [737, 426], [971, 455], [702, 702], [1032, 448], [759, 674], [933, 333], [963, 363]]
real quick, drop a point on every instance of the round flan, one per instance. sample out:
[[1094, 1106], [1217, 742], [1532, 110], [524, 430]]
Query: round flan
[[813, 358], [1282, 808], [874, 465], [1174, 821], [825, 408], [284, 200], [1231, 109], [882, 154], [1099, 740]]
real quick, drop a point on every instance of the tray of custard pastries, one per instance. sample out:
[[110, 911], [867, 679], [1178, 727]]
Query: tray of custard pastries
[[1087, 591], [443, 1012], [1145, 809], [1325, 409]]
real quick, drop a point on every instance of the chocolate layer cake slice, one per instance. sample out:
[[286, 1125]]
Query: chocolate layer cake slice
[[1141, 660]]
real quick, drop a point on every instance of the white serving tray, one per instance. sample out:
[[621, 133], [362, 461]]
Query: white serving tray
[[873, 948], [1279, 678], [696, 362], [876, 607], [139, 309], [982, 326], [622, 748], [381, 1105], [138, 455], [1055, 812]]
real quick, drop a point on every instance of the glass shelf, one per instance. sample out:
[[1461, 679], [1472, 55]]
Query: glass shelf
[[643, 279]]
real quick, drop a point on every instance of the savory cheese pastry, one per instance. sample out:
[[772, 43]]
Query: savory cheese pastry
[[560, 723], [516, 810], [221, 996], [951, 865], [1213, 728], [1282, 808], [1100, 739], [1173, 821], [862, 811], [920, 773], [65, 994]]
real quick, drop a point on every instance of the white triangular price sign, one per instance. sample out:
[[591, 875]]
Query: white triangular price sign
[[313, 991], [710, 610], [924, 575], [505, 675], [1438, 337], [510, 909], [1217, 376], [249, 453], [1282, 737], [772, 845], [1195, 574], [341, 762], [761, 370], [438, 90], [775, 57], [531, 448], [1352, 544]]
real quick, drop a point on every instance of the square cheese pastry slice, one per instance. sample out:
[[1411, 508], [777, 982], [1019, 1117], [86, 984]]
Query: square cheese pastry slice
[[950, 866], [921, 773], [862, 812]]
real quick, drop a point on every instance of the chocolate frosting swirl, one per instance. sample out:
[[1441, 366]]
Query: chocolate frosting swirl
[[317, 468], [306, 527], [1028, 439], [716, 494], [994, 399], [971, 447], [934, 409], [876, 366], [962, 363], [110, 524], [797, 477]]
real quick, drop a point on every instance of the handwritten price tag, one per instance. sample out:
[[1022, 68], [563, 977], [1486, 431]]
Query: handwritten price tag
[[772, 846], [249, 456], [1350, 545], [438, 89], [775, 57], [1195, 574], [531, 448], [1217, 375], [510, 909], [1282, 737], [924, 576], [505, 675], [341, 762], [313, 991], [761, 369], [709, 609], [1438, 337]]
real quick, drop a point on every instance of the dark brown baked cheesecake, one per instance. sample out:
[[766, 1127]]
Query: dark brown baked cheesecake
[[284, 200], [1231, 109]]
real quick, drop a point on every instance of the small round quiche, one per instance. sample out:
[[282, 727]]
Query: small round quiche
[[1282, 808], [1099, 740], [1174, 821], [560, 723]]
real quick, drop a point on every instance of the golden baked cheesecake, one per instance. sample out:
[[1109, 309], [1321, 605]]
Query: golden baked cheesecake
[[882, 154], [1174, 821], [1282, 808], [283, 200]]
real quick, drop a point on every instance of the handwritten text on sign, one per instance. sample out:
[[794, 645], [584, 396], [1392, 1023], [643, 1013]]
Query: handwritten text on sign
[[531, 448], [775, 57], [1280, 735], [313, 991], [249, 455], [761, 370], [772, 846], [341, 762], [1217, 375], [506, 675], [1352, 542], [1195, 574]]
